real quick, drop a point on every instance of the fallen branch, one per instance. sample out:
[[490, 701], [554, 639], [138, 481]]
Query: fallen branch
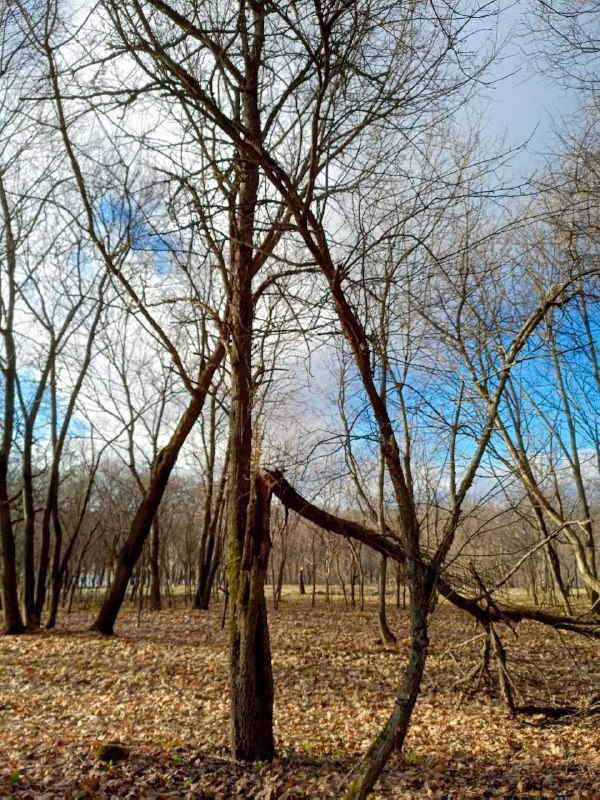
[[390, 545]]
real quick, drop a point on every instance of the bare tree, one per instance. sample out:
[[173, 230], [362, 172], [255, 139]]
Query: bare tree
[[357, 83]]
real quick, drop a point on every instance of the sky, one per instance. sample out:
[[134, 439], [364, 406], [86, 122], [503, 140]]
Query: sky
[[525, 106]]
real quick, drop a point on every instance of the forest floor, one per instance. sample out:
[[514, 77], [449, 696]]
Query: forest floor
[[160, 688]]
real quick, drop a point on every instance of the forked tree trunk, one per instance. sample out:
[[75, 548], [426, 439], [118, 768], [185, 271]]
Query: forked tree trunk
[[250, 656], [211, 551], [217, 552]]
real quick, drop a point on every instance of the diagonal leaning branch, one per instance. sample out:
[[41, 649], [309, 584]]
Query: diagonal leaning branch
[[390, 545]]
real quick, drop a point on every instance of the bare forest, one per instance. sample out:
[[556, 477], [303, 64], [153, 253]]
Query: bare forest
[[299, 402]]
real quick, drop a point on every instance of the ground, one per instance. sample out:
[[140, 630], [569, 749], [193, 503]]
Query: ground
[[159, 689]]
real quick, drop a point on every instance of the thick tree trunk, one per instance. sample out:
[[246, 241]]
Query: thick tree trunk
[[249, 546], [251, 674], [248, 506], [13, 622]]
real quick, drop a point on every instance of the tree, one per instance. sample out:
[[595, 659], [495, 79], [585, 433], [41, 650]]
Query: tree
[[568, 35], [355, 85], [48, 299], [548, 422], [314, 139], [214, 497]]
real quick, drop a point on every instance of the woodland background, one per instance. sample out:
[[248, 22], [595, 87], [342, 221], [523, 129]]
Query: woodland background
[[262, 250]]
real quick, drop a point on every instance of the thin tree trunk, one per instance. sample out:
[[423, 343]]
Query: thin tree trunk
[[551, 558], [13, 622], [55, 570], [28, 529], [394, 732], [155, 603], [214, 565], [386, 634], [575, 464], [142, 522], [313, 599]]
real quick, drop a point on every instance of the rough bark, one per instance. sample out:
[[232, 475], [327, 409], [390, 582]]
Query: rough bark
[[249, 542], [250, 658]]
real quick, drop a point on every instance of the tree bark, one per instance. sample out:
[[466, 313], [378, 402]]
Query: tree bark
[[394, 732], [249, 541], [250, 659]]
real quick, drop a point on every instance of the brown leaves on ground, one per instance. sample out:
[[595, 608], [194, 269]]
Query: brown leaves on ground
[[160, 691]]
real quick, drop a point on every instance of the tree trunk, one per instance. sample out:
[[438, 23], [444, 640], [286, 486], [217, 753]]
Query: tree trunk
[[202, 597], [249, 541], [56, 573], [386, 634], [551, 557], [155, 603], [142, 522], [394, 732], [313, 599], [217, 554], [28, 530], [251, 674], [13, 622], [249, 545]]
